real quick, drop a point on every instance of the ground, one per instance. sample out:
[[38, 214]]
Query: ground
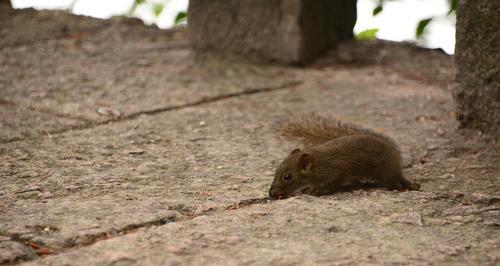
[[121, 146]]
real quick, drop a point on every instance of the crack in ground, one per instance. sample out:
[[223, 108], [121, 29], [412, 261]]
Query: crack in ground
[[77, 242], [42, 250], [90, 240], [248, 202], [188, 214], [205, 100]]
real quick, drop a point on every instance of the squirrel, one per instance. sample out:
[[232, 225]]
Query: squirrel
[[335, 154]]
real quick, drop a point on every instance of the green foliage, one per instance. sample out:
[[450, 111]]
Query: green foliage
[[180, 18], [421, 27], [453, 5], [132, 9], [157, 8], [368, 34], [378, 8]]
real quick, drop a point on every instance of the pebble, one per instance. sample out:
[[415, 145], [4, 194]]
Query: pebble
[[135, 152], [119, 257], [72, 187], [435, 221], [205, 208], [447, 176], [456, 195], [451, 250], [492, 218], [233, 187], [467, 210], [245, 179], [407, 218], [483, 198], [176, 249], [106, 111], [45, 195], [461, 219]]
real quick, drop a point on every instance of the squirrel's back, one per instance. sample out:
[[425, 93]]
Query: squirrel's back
[[312, 129]]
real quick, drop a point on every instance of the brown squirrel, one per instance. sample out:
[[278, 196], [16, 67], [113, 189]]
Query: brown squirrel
[[335, 154]]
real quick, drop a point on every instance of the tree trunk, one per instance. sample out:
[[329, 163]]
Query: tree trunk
[[477, 88]]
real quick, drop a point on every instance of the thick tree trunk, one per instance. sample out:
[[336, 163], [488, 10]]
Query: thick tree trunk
[[477, 89], [5, 2], [289, 31]]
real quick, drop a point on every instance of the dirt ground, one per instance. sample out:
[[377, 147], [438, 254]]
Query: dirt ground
[[120, 146]]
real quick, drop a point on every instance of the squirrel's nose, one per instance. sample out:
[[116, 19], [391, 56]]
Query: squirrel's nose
[[274, 193]]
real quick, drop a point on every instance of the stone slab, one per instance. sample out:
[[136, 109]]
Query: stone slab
[[177, 186], [287, 31], [73, 188], [346, 230], [31, 26], [121, 69]]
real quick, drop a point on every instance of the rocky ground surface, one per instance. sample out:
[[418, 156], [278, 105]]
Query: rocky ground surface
[[120, 146]]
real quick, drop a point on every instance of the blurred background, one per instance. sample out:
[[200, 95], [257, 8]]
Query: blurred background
[[428, 23]]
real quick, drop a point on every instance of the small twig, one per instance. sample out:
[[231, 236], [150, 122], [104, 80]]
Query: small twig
[[481, 167], [48, 134], [45, 176], [29, 190]]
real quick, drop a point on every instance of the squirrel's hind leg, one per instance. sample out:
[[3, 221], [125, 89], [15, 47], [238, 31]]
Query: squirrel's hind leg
[[409, 185], [394, 182], [399, 183]]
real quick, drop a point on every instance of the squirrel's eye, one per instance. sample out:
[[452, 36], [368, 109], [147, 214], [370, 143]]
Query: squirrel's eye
[[287, 177]]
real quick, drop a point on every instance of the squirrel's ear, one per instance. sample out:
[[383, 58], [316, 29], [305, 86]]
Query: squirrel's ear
[[305, 161], [295, 151]]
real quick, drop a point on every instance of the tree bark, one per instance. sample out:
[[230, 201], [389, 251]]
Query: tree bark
[[477, 55]]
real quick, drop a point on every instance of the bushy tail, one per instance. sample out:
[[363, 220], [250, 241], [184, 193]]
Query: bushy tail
[[312, 129]]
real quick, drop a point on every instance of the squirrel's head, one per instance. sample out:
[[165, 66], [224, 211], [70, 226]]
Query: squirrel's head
[[293, 176]]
